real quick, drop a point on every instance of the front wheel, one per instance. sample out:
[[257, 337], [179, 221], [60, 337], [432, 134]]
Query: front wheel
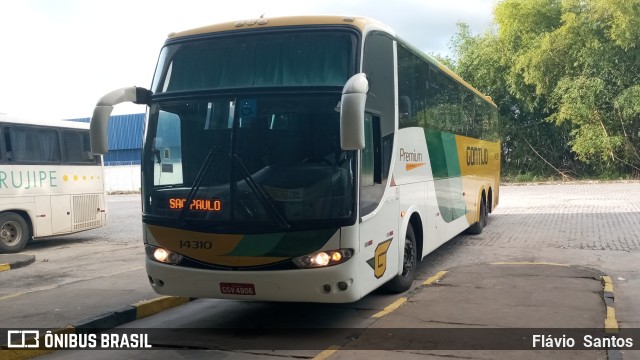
[[402, 282], [14, 233]]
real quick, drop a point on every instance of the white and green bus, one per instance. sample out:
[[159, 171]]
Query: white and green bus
[[304, 159], [50, 182]]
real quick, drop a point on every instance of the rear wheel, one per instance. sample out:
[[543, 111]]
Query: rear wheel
[[14, 233], [484, 213], [402, 282]]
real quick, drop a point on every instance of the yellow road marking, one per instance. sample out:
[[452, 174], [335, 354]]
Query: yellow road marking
[[610, 323], [527, 263], [608, 285], [5, 267], [434, 278], [325, 354], [22, 354], [12, 296], [154, 306], [396, 304]]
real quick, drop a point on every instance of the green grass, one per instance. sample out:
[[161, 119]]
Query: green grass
[[536, 178]]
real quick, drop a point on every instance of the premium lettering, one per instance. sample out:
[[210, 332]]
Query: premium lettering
[[410, 155]]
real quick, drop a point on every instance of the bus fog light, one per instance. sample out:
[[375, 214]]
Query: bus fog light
[[323, 258], [162, 255]]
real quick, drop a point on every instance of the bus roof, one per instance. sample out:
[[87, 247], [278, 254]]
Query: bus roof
[[5, 119], [359, 22]]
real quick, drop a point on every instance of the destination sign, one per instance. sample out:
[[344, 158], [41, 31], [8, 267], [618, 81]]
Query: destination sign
[[196, 204]]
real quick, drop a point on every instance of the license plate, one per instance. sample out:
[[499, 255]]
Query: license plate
[[237, 289]]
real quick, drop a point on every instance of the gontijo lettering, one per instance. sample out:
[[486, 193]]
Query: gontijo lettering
[[197, 204], [477, 156]]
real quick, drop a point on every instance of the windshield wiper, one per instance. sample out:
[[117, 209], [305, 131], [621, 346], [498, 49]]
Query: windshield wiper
[[198, 181], [262, 196]]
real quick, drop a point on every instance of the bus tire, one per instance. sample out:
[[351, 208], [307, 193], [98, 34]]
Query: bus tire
[[484, 213], [14, 233], [477, 227], [402, 282]]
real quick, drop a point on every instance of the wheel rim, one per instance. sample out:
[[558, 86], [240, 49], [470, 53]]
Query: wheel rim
[[10, 233], [409, 250]]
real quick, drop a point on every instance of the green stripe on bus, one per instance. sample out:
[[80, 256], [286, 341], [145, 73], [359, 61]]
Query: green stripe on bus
[[445, 166], [436, 154], [282, 244]]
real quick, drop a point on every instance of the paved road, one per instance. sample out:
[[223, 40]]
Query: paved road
[[596, 226], [592, 225], [78, 276]]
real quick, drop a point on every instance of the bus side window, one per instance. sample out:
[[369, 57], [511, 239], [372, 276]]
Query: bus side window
[[370, 168], [380, 123], [367, 175], [76, 146], [33, 145], [2, 151], [7, 143]]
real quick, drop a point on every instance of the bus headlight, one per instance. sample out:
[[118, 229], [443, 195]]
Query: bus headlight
[[162, 255], [323, 258]]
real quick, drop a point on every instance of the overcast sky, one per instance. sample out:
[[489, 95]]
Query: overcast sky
[[59, 57]]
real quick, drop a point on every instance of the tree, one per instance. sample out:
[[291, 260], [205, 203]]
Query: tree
[[566, 76]]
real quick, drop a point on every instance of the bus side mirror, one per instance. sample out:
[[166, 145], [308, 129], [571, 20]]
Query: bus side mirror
[[102, 111], [354, 97]]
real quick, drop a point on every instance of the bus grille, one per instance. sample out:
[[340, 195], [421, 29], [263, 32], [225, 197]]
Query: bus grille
[[86, 212]]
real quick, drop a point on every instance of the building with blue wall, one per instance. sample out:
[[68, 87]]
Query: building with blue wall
[[125, 139]]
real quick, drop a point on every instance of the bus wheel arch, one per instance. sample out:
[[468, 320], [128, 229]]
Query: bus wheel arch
[[15, 231], [411, 253], [415, 222], [476, 228]]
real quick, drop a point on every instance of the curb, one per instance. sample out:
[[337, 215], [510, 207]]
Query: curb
[[131, 313], [386, 311], [610, 322], [610, 325], [30, 259], [104, 321]]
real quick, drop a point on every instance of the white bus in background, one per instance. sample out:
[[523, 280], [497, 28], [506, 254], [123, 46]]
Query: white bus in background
[[50, 182]]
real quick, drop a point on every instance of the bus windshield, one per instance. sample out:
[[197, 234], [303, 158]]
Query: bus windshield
[[243, 163], [272, 59]]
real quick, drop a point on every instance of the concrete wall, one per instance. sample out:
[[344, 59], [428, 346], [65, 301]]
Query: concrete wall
[[124, 178]]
